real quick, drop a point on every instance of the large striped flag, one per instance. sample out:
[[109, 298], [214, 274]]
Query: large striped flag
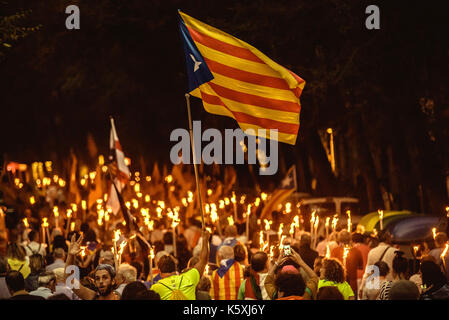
[[122, 176], [287, 187], [236, 80]]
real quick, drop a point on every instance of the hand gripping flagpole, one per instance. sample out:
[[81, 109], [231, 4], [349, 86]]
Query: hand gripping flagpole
[[194, 162]]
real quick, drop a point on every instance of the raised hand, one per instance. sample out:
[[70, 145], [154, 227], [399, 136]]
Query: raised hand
[[75, 245], [296, 256]]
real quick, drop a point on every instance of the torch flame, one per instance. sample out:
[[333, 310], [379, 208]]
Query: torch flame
[[25, 222]]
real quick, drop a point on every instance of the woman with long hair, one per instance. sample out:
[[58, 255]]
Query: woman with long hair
[[400, 272], [17, 259]]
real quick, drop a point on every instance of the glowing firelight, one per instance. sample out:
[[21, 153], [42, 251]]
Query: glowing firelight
[[261, 239], [25, 222], [328, 251], [44, 223], [32, 200], [288, 207], [72, 226], [281, 229], [264, 196], [345, 255], [267, 224], [348, 212], [443, 254], [56, 211], [231, 220], [434, 232]]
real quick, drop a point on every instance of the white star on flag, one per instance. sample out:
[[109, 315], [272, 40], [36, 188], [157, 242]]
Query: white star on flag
[[197, 63]]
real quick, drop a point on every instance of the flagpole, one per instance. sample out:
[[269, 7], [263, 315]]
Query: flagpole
[[194, 157]]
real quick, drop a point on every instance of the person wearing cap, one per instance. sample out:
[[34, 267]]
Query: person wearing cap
[[285, 282], [104, 276]]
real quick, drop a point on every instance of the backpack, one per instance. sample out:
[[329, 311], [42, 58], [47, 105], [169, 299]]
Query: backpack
[[35, 252], [176, 294]]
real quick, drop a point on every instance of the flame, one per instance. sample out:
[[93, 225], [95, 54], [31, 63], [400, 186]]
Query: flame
[[209, 192], [328, 251], [122, 247], [233, 199], [184, 202], [25, 222], [415, 250], [443, 254], [32, 200], [190, 196], [296, 221], [267, 224], [83, 204], [345, 253], [374, 232], [117, 234], [44, 222], [221, 204], [169, 178], [434, 232], [271, 252], [72, 226], [317, 221], [148, 198], [69, 213], [56, 211], [264, 196], [327, 222], [83, 252], [288, 207], [281, 229], [265, 246], [206, 270], [74, 207], [447, 212], [231, 221], [312, 219], [248, 210], [381, 214], [226, 200], [292, 229], [261, 239]]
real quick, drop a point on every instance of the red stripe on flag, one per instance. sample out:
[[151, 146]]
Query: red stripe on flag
[[264, 123], [118, 145], [223, 46], [216, 286], [245, 118], [246, 76], [227, 286], [247, 98]]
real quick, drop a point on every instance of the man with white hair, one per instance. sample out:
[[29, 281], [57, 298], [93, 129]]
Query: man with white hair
[[61, 286], [226, 280], [59, 255], [125, 274]]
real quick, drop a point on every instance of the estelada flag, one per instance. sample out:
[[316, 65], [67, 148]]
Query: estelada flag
[[235, 79], [122, 177], [285, 189]]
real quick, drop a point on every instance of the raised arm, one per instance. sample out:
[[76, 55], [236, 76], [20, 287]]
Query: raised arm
[[204, 255], [74, 249]]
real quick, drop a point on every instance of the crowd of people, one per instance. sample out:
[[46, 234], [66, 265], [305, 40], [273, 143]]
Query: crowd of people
[[224, 260], [221, 269]]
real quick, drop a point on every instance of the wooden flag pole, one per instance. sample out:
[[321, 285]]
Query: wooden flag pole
[[194, 157]]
